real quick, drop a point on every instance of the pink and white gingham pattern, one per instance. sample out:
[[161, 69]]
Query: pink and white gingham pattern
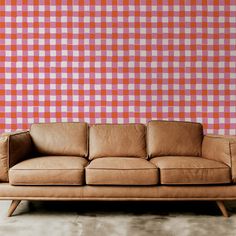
[[118, 61]]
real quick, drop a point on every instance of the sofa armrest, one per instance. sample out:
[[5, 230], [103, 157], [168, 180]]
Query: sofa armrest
[[221, 148], [14, 148]]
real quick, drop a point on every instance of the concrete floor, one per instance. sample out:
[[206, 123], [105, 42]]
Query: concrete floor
[[117, 219]]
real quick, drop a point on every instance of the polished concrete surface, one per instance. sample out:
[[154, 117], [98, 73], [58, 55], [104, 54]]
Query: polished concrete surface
[[117, 219]]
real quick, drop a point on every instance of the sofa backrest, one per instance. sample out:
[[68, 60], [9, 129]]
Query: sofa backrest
[[174, 138], [60, 138], [117, 140]]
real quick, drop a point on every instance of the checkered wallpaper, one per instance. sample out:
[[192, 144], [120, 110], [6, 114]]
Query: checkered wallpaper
[[118, 61]]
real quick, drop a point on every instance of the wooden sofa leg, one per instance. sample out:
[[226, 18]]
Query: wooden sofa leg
[[222, 207], [12, 207]]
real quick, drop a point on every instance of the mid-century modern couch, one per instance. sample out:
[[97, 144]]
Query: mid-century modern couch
[[165, 160]]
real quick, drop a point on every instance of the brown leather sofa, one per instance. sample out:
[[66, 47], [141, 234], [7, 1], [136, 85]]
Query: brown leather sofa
[[165, 160]]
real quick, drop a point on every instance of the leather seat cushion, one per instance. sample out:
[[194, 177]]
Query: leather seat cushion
[[191, 170], [49, 170], [121, 171]]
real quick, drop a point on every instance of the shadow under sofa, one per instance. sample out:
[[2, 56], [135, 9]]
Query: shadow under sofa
[[162, 161]]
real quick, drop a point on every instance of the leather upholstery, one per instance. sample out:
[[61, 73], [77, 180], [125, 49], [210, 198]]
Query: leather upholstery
[[3, 159], [221, 148], [121, 171], [60, 138], [14, 147], [174, 138], [57, 175], [49, 170], [191, 170], [20, 147], [133, 193], [126, 140]]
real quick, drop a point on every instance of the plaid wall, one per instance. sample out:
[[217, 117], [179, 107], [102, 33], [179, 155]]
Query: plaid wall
[[118, 61]]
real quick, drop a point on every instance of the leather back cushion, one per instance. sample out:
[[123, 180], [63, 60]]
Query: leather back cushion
[[121, 140], [60, 138], [174, 138]]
